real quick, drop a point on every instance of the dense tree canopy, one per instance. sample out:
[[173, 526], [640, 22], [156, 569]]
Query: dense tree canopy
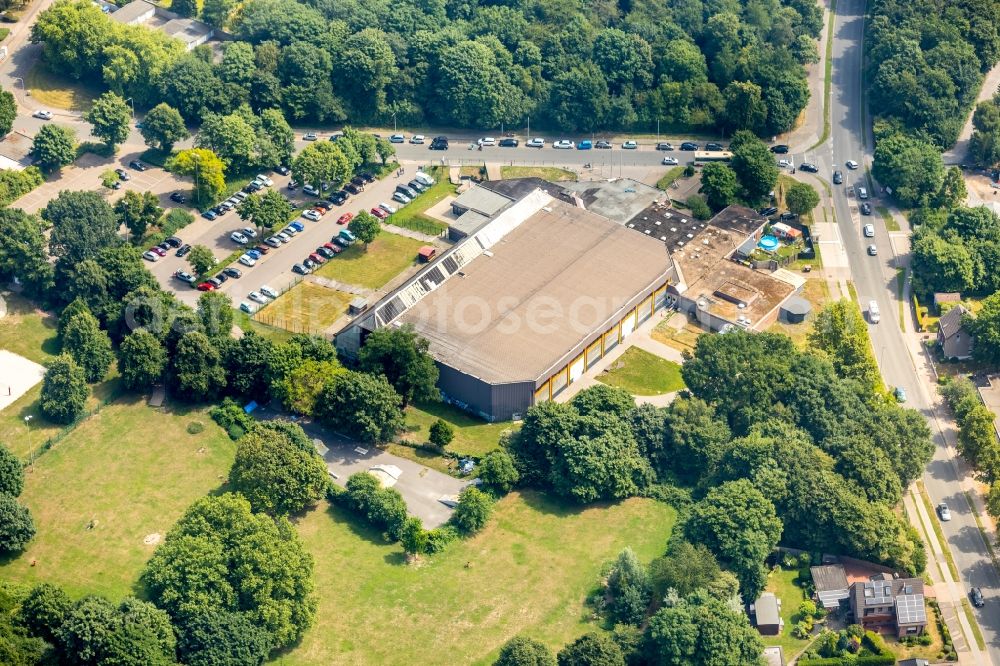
[[360, 405], [701, 631], [524, 651], [64, 390], [53, 147], [220, 556]]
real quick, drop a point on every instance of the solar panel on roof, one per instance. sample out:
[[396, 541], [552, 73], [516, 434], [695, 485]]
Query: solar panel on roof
[[910, 609]]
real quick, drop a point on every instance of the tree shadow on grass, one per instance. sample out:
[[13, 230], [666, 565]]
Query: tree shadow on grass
[[556, 506], [357, 525]]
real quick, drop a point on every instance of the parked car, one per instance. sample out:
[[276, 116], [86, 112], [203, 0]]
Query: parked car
[[439, 143], [123, 174], [352, 188], [237, 237], [159, 251], [282, 169], [387, 208], [508, 143], [379, 213], [333, 247], [767, 212], [976, 596], [838, 177], [184, 276], [247, 260], [664, 145], [256, 296], [311, 214], [340, 197], [784, 163], [861, 192], [177, 197], [267, 291], [487, 141], [206, 286], [424, 178], [900, 394], [401, 198], [325, 252], [586, 144], [866, 208], [232, 272], [149, 255], [417, 186], [253, 186], [254, 254], [44, 115], [317, 258], [137, 165], [282, 236], [219, 279], [537, 142], [780, 149], [872, 250], [563, 144], [183, 250], [397, 138], [630, 145], [713, 146], [417, 139], [309, 136], [603, 145], [367, 176], [246, 307], [869, 231], [670, 160], [851, 164], [809, 166], [689, 145], [292, 186], [273, 241], [345, 218], [172, 241], [310, 190], [944, 512], [300, 269], [309, 263], [342, 242]]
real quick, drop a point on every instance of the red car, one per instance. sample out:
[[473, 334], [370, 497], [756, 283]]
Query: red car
[[318, 258], [206, 286], [158, 250], [320, 208], [333, 247], [379, 213], [345, 218]]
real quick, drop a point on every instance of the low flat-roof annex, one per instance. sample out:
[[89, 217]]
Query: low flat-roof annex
[[512, 314]]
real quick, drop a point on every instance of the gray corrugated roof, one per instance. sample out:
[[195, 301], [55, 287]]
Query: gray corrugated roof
[[482, 201], [951, 322], [766, 609], [469, 222], [132, 11]]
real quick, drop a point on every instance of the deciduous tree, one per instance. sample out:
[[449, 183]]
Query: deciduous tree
[[222, 638], [16, 526], [64, 390], [205, 168], [365, 226], [163, 127], [401, 356], [473, 510], [202, 259], [360, 405], [53, 147], [141, 360], [138, 212], [801, 198], [524, 651], [89, 346]]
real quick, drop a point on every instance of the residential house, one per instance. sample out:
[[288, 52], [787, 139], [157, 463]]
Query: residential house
[[953, 337], [887, 603], [190, 31], [765, 614]]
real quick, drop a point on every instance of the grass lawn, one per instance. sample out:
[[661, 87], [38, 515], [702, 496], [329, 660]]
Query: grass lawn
[[684, 339], [817, 292], [672, 174], [59, 92], [411, 216], [528, 572], [641, 373], [244, 321], [386, 257], [782, 583], [129, 471], [551, 174], [473, 437], [305, 308]]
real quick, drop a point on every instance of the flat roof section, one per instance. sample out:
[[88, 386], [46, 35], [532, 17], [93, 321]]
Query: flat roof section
[[619, 199], [738, 219], [481, 200], [668, 225], [512, 313]]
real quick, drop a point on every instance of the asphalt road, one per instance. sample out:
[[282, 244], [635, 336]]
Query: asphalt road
[[875, 279]]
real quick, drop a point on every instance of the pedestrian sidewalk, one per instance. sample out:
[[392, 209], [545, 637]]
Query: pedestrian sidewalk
[[805, 136], [958, 152]]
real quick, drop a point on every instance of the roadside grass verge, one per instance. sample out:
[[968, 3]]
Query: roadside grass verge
[[982, 531], [107, 486], [59, 92], [387, 256], [827, 75], [887, 218], [551, 174], [977, 632], [528, 572], [668, 179], [938, 532], [642, 373]]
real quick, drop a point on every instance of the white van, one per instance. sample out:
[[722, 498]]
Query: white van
[[873, 313], [424, 178]]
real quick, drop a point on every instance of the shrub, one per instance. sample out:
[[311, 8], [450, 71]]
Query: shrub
[[699, 207], [441, 434], [439, 538], [473, 510], [382, 507], [801, 630], [497, 471], [195, 427], [231, 418]]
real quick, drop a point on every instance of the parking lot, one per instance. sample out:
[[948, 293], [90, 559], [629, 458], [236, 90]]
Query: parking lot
[[274, 268]]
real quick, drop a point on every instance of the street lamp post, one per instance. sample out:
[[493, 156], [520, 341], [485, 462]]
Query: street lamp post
[[394, 123], [131, 104]]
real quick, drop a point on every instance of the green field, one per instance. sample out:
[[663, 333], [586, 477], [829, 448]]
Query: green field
[[528, 572], [128, 472], [58, 92], [551, 174], [305, 308], [385, 258], [473, 437], [641, 373]]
